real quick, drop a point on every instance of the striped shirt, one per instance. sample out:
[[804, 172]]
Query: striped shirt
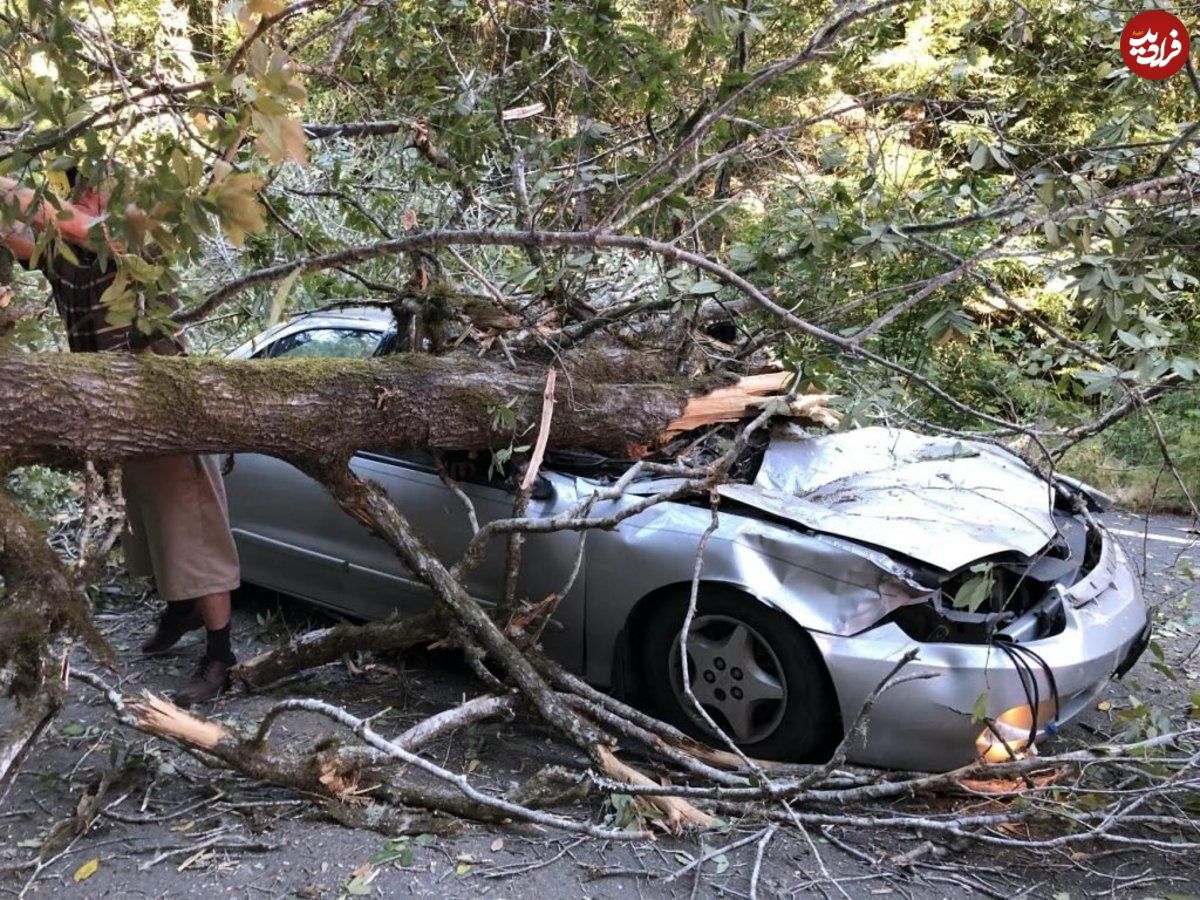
[[77, 291]]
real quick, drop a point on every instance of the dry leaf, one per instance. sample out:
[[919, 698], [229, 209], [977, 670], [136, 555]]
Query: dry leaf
[[238, 207], [199, 856], [263, 7], [359, 884], [281, 138], [87, 870], [497, 845]]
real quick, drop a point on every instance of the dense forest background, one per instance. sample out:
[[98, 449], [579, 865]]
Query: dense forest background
[[980, 192]]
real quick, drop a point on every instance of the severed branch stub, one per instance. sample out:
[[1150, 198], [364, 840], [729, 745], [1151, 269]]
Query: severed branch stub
[[731, 403]]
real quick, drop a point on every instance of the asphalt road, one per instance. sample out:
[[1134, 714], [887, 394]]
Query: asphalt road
[[181, 831]]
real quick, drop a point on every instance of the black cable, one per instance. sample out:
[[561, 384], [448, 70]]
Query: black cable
[[1050, 679], [1020, 655], [1028, 684]]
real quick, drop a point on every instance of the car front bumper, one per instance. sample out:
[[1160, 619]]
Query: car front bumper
[[928, 723]]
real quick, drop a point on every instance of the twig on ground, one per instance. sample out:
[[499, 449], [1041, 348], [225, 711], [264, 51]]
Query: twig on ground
[[759, 853]]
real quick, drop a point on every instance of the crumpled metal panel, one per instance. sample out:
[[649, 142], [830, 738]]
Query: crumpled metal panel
[[942, 501], [929, 723], [822, 582]]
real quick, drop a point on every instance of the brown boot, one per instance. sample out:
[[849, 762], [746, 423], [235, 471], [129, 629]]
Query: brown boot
[[207, 683], [170, 629]]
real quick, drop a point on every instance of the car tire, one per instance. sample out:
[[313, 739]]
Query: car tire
[[798, 722]]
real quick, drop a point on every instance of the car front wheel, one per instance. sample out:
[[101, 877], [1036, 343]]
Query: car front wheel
[[753, 670]]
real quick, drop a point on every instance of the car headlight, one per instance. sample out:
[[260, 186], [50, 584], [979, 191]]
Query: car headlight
[[1007, 737]]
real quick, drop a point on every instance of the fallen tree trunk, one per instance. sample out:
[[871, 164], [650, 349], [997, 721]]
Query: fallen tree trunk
[[67, 408], [317, 413]]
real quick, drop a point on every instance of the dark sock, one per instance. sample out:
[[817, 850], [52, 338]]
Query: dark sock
[[219, 646], [178, 610]]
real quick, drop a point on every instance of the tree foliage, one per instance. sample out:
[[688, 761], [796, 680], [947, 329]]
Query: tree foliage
[[964, 186]]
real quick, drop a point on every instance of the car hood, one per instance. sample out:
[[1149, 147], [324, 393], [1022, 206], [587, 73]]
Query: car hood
[[942, 501]]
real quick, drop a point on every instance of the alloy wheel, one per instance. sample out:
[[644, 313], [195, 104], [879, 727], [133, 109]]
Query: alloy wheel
[[735, 675]]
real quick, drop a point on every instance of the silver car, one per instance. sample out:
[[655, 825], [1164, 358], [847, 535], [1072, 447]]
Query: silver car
[[834, 557]]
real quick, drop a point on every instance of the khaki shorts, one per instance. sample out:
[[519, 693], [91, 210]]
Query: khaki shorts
[[177, 526]]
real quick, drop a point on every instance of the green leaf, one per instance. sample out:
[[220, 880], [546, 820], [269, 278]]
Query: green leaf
[[1131, 340], [974, 592], [1164, 670], [979, 710], [63, 249], [705, 286], [394, 850]]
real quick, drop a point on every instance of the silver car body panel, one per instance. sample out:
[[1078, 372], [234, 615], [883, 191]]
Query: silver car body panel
[[870, 505]]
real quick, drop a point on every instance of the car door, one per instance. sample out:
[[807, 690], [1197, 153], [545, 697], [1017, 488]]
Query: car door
[[412, 481], [382, 584], [284, 523]]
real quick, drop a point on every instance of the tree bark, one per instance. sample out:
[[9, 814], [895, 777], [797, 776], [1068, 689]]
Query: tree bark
[[67, 408], [317, 648], [38, 598]]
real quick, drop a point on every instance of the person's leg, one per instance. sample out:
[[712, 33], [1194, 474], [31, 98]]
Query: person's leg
[[195, 560], [215, 610], [212, 675], [180, 616]]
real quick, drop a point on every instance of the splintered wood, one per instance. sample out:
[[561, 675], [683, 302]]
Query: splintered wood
[[677, 810], [160, 716], [737, 401]]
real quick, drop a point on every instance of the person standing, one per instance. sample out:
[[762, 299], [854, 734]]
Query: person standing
[[177, 527]]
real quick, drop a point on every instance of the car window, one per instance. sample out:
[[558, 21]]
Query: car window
[[328, 343]]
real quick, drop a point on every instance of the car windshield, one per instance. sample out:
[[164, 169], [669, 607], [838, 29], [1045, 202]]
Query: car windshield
[[329, 343]]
